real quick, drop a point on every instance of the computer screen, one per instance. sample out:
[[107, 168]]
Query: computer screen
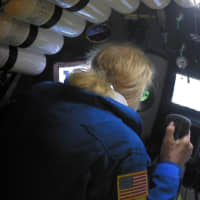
[[187, 92], [63, 70]]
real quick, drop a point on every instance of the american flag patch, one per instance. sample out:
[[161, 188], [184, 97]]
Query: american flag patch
[[132, 186]]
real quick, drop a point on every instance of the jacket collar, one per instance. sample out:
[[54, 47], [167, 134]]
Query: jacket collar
[[129, 116]]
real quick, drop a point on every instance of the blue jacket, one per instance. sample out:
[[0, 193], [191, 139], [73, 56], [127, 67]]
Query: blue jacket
[[73, 144]]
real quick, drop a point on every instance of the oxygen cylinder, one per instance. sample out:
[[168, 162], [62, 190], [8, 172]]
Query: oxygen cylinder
[[124, 6], [156, 4], [95, 11], [47, 15], [69, 25], [66, 3], [27, 36], [20, 61], [186, 3], [46, 42], [37, 12], [13, 32]]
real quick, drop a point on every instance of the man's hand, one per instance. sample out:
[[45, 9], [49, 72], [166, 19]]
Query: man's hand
[[177, 151]]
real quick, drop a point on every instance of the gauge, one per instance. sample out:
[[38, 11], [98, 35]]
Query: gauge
[[182, 62]]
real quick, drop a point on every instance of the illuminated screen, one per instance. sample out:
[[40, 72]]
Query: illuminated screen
[[65, 71], [187, 92]]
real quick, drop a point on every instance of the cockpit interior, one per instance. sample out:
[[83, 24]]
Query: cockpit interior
[[47, 40]]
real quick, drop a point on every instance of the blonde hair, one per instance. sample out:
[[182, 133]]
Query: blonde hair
[[123, 67]]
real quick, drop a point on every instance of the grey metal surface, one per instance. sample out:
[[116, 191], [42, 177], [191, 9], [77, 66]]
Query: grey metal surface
[[159, 65]]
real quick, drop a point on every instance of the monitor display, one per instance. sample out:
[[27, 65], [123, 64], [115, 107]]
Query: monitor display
[[187, 92], [63, 70]]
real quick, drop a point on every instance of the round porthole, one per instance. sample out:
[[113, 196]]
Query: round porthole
[[98, 33], [146, 100]]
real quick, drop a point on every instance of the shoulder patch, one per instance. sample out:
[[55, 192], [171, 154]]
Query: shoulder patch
[[132, 186]]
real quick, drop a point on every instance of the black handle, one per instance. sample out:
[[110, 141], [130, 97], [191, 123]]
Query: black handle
[[182, 125]]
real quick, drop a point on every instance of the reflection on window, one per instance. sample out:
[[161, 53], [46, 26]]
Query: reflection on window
[[187, 92]]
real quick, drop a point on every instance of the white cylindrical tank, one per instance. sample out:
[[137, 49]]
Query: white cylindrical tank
[[13, 32], [95, 11], [37, 12], [47, 42], [186, 3], [124, 6], [20, 61], [156, 4], [65, 3], [27, 36], [69, 25], [47, 15]]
